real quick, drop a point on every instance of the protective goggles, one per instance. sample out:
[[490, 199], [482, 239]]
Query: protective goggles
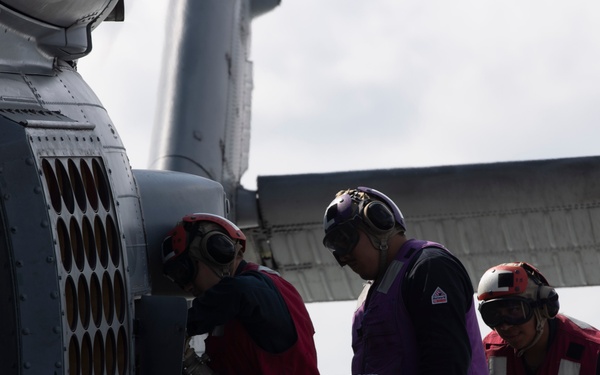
[[342, 239], [180, 269], [511, 311]]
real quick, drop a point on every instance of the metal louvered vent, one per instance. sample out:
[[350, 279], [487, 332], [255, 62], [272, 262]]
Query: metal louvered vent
[[91, 270]]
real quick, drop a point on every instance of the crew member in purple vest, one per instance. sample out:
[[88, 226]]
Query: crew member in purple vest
[[417, 312], [256, 321]]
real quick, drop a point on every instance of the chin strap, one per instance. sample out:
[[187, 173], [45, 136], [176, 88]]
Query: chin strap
[[220, 272], [539, 329], [383, 248], [381, 242]]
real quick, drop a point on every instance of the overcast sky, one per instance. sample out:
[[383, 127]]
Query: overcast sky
[[354, 84]]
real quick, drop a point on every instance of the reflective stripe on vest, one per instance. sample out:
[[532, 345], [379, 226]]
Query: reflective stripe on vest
[[568, 367], [498, 366]]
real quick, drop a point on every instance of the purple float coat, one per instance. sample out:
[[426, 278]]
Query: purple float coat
[[383, 337]]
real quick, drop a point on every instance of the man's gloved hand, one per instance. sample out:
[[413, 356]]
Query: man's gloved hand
[[193, 364]]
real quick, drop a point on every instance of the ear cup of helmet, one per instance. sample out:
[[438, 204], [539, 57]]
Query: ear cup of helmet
[[378, 217], [549, 299], [217, 248]]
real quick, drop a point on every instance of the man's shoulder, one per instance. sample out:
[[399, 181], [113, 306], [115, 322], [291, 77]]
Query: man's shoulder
[[433, 251], [425, 244], [438, 265], [493, 339], [576, 328]]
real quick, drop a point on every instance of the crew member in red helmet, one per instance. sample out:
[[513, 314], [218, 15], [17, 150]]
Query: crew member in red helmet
[[256, 321], [529, 335]]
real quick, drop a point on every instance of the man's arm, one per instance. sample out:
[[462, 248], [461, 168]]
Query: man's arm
[[253, 299], [438, 293]]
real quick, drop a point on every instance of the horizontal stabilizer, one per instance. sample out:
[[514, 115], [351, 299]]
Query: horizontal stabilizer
[[545, 212]]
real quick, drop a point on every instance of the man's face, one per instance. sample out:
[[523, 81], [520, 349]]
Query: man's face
[[364, 258], [205, 279], [518, 336], [512, 318]]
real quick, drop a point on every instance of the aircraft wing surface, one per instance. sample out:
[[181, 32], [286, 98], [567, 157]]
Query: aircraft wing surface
[[546, 212]]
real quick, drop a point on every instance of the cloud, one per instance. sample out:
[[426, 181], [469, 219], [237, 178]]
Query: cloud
[[480, 81]]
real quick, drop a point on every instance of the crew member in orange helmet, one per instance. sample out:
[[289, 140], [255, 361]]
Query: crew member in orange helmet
[[256, 321], [529, 335]]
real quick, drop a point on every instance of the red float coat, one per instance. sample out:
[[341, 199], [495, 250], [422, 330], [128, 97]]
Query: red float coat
[[233, 351], [573, 350]]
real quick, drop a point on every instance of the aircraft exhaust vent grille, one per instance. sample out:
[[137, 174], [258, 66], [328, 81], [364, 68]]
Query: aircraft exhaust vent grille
[[91, 271]]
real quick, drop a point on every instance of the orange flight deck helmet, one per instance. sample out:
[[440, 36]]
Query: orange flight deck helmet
[[517, 285], [513, 293], [208, 238]]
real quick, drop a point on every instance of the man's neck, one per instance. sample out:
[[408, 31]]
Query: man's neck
[[395, 243], [534, 357]]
